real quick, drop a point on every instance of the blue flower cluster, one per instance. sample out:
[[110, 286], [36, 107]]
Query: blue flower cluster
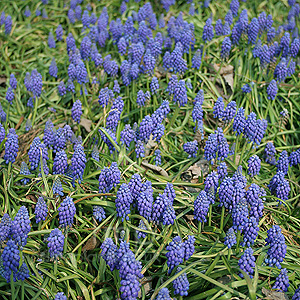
[[277, 247], [247, 262], [66, 212], [41, 210], [55, 243]]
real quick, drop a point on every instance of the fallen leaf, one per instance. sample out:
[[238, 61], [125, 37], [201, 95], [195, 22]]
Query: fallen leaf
[[90, 244], [224, 70], [155, 168], [86, 124], [274, 295], [194, 172], [229, 80]]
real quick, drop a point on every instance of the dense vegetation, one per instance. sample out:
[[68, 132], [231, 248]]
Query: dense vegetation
[[149, 150]]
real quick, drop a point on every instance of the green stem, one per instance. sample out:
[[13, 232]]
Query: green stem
[[238, 242], [86, 104], [210, 215], [35, 110], [173, 118], [229, 253], [7, 117], [222, 218], [199, 227], [22, 291], [12, 286], [236, 148]]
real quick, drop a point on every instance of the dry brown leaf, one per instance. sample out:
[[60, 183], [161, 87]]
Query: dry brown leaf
[[224, 70], [193, 173], [155, 168], [86, 124], [90, 244], [273, 295]]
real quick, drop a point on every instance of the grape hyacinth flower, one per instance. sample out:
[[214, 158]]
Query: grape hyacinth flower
[[139, 149], [181, 284], [37, 151], [99, 213], [157, 157], [191, 148], [180, 93], [222, 171], [239, 121], [36, 83], [159, 207], [123, 202], [10, 95], [20, 226], [234, 7], [154, 85], [27, 12], [276, 241], [189, 247], [13, 81], [175, 253], [60, 163], [250, 232], [254, 164], [22, 274], [226, 193], [283, 162], [247, 263], [61, 89], [59, 33], [201, 207], [269, 154], [246, 88], [168, 216], [10, 258], [57, 187], [196, 60], [53, 68], [229, 112], [66, 212], [41, 210], [294, 158], [240, 215], [218, 110], [225, 48], [282, 281], [164, 293], [76, 111], [272, 89], [141, 234], [296, 296], [230, 238], [24, 171], [60, 296], [51, 40], [253, 31], [55, 243], [8, 25], [208, 31], [144, 198], [5, 228], [127, 135], [78, 162], [255, 196], [145, 128], [108, 253], [210, 149]]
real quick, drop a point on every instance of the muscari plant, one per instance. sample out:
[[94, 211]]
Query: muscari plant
[[120, 106]]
